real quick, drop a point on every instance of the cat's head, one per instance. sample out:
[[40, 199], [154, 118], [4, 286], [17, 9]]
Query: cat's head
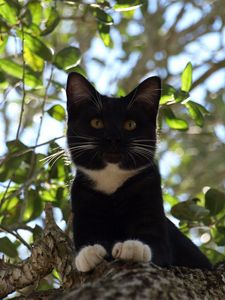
[[105, 130]]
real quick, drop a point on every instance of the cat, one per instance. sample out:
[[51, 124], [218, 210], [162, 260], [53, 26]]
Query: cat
[[116, 195]]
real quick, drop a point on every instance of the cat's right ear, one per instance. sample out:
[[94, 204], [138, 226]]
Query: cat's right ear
[[79, 90]]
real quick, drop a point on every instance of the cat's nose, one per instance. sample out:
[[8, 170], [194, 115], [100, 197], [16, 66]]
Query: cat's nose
[[112, 140]]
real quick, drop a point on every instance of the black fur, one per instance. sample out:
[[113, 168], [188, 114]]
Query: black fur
[[135, 209]]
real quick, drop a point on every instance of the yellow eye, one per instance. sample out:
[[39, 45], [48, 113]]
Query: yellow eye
[[97, 123], [130, 125]]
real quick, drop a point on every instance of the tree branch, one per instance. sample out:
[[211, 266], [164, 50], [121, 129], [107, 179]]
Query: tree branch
[[54, 250], [215, 67]]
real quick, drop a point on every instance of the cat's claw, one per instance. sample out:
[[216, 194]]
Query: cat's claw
[[89, 257], [132, 250]]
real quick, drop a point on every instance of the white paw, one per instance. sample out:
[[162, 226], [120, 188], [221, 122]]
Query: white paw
[[89, 257], [132, 250]]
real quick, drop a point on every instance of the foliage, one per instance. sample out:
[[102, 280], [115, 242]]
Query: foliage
[[42, 41]]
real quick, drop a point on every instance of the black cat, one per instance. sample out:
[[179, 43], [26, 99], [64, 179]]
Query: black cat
[[116, 195]]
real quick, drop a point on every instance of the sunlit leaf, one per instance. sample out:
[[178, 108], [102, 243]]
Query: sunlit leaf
[[35, 9], [168, 93], [126, 5], [16, 70], [67, 58], [213, 255], [35, 62], [77, 69], [57, 112], [170, 199], [172, 121], [7, 247], [10, 204], [104, 32], [52, 22], [181, 96], [195, 113], [34, 205], [214, 201], [186, 78], [166, 98], [3, 41], [102, 16], [38, 47], [9, 10]]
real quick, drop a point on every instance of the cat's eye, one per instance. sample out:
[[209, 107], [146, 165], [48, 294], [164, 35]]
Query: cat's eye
[[97, 123], [130, 125]]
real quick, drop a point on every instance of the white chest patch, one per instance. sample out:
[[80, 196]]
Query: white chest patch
[[109, 179]]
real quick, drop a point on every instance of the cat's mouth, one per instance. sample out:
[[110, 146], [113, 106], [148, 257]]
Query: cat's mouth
[[112, 157]]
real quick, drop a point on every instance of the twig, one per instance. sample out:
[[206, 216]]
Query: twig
[[43, 105], [3, 199], [17, 154], [23, 86], [16, 235]]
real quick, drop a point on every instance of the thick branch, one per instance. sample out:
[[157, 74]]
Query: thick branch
[[142, 282], [54, 250]]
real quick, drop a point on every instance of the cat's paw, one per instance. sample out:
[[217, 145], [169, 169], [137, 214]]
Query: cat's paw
[[132, 250], [89, 257]]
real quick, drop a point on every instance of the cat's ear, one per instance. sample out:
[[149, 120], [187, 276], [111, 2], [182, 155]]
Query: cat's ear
[[79, 90], [148, 93]]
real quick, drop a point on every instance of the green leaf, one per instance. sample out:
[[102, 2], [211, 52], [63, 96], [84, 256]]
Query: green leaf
[[3, 41], [3, 82], [34, 206], [104, 32], [218, 234], [9, 10], [213, 255], [214, 201], [181, 96], [67, 58], [195, 113], [16, 146], [77, 69], [16, 70], [57, 112], [9, 205], [8, 247], [172, 121], [166, 98], [170, 199], [16, 163], [52, 22], [189, 211], [37, 46], [35, 62], [168, 93], [186, 78], [102, 16], [126, 5], [35, 9]]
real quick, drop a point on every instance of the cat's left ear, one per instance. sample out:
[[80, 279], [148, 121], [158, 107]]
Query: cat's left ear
[[148, 93], [80, 90]]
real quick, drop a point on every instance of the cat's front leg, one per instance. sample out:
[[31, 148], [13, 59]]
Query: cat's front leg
[[132, 250], [89, 257]]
